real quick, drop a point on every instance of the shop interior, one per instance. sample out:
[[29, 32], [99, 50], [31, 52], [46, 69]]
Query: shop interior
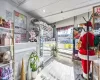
[[44, 40]]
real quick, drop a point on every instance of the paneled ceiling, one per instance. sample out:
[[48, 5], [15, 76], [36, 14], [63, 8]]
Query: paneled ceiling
[[56, 10]]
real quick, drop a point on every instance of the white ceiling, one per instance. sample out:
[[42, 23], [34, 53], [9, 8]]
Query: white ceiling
[[53, 8]]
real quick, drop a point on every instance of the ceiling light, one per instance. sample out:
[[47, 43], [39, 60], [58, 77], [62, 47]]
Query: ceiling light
[[44, 11]]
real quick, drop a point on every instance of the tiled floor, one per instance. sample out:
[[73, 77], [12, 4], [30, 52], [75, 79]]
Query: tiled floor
[[61, 69]]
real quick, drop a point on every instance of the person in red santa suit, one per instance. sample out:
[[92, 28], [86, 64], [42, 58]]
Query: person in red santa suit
[[85, 46]]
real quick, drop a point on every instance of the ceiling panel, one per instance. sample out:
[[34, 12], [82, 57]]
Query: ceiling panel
[[62, 16], [31, 5], [70, 7], [62, 5]]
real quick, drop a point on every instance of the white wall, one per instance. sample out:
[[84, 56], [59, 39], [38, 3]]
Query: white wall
[[66, 22], [78, 19], [2, 8]]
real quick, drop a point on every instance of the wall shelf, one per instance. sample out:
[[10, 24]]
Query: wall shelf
[[5, 46], [8, 29], [2, 64], [25, 49]]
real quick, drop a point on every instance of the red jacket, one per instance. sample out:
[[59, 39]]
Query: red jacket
[[85, 42]]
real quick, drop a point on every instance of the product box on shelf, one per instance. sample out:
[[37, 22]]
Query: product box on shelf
[[4, 40]]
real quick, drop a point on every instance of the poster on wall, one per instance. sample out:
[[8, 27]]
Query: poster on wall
[[20, 28], [8, 15]]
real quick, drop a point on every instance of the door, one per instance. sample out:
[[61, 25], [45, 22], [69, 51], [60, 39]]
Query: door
[[65, 40]]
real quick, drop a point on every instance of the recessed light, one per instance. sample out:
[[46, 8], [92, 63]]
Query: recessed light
[[44, 11]]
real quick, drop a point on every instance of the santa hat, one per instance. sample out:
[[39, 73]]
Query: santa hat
[[88, 24]]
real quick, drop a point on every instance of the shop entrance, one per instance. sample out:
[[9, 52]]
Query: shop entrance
[[65, 40]]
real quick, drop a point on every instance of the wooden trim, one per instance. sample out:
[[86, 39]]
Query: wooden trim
[[96, 16], [92, 71], [96, 6], [98, 69], [93, 18], [93, 28], [13, 51]]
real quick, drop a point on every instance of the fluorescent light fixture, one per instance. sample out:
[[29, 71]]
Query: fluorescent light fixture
[[44, 11]]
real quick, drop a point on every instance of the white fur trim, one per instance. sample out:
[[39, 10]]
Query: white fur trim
[[85, 75], [91, 58]]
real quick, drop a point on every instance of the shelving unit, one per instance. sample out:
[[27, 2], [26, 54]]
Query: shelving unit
[[8, 29], [96, 75], [3, 65], [5, 46], [10, 47]]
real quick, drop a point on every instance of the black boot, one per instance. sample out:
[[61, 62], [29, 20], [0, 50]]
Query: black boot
[[83, 77], [90, 77]]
